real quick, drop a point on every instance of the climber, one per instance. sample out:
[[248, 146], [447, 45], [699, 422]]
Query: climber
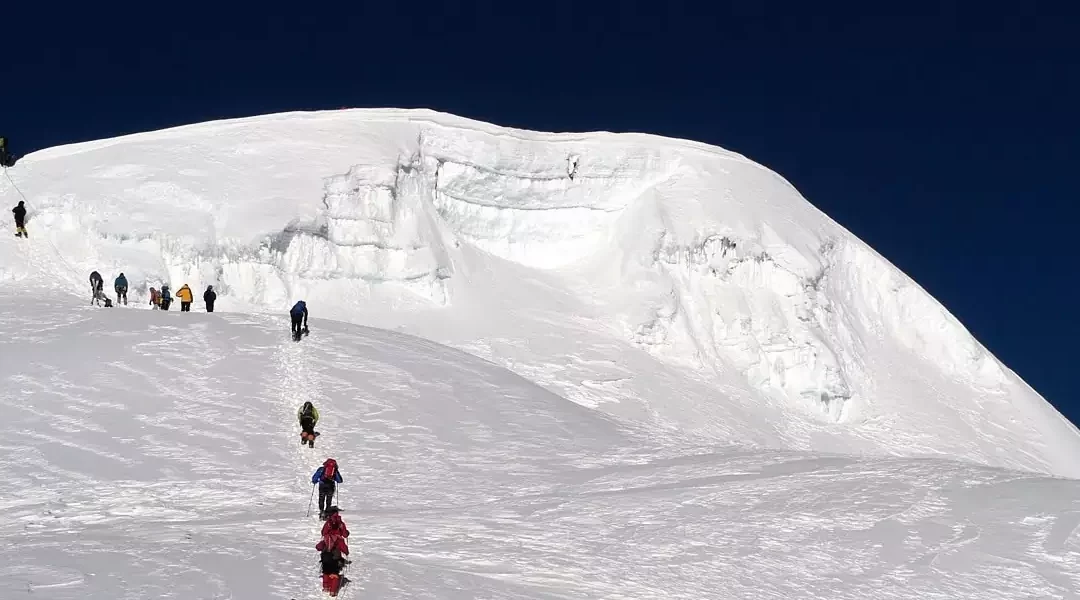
[[327, 476], [20, 220], [209, 297], [96, 285], [299, 317], [185, 296], [6, 158], [120, 285], [166, 297], [155, 298], [334, 522], [308, 416], [333, 556]]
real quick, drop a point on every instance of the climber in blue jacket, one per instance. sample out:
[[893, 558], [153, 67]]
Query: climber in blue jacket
[[120, 285], [298, 315], [327, 476]]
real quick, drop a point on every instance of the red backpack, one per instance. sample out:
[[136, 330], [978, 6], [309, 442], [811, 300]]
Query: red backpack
[[329, 469], [333, 542]]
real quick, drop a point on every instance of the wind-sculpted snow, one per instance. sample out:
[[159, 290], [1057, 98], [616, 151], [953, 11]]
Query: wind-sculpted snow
[[745, 310], [371, 236], [154, 455], [535, 202], [666, 283]]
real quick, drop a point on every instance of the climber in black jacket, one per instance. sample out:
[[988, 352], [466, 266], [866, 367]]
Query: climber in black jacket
[[209, 297]]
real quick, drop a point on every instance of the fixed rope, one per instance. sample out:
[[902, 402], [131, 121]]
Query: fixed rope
[[59, 254], [12, 181]]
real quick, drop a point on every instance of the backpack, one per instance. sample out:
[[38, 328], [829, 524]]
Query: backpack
[[329, 469], [334, 524], [308, 411], [333, 542], [298, 309]]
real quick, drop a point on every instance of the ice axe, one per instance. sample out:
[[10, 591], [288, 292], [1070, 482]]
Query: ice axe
[[307, 513]]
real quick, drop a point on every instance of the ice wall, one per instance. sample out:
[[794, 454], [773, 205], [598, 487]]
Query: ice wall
[[370, 239], [537, 203]]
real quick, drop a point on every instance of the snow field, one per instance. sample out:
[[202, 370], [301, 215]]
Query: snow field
[[153, 454]]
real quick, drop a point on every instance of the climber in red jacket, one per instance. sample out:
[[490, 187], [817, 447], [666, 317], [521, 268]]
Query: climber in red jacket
[[333, 553], [335, 524]]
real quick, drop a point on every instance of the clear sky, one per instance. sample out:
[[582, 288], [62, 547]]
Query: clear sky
[[947, 138]]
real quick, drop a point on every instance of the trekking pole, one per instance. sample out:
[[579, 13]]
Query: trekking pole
[[310, 500], [344, 580]]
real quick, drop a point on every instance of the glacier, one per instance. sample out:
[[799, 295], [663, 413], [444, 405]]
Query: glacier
[[605, 365]]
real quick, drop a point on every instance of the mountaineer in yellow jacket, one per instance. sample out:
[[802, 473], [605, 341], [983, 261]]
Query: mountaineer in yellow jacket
[[185, 296]]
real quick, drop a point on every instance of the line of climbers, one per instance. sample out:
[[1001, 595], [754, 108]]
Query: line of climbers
[[159, 300], [332, 547]]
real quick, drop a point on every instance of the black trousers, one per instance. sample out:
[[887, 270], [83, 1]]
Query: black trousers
[[185, 306], [209, 307], [297, 324], [332, 562], [121, 294], [307, 425], [326, 495]]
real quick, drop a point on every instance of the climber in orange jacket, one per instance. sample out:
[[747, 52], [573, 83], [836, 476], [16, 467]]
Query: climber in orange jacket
[[185, 296]]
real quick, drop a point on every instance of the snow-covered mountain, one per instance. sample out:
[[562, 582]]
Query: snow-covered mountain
[[696, 383], [588, 263]]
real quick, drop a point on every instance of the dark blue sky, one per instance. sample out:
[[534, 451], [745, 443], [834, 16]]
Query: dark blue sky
[[945, 138]]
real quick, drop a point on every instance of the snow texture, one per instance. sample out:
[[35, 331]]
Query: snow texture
[[606, 365]]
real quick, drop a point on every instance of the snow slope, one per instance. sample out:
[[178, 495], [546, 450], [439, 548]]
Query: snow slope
[[665, 282], [154, 455]]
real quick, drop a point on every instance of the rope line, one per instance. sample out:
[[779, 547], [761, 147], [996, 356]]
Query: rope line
[[59, 254]]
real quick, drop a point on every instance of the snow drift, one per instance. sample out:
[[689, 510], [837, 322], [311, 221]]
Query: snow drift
[[663, 282]]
